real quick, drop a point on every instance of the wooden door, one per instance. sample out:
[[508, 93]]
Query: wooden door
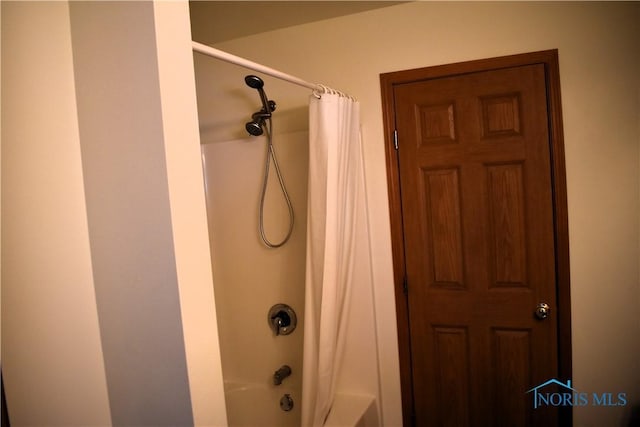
[[476, 180]]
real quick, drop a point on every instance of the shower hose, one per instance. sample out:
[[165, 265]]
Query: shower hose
[[271, 154]]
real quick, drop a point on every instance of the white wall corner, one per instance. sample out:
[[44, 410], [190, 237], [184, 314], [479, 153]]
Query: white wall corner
[[188, 212]]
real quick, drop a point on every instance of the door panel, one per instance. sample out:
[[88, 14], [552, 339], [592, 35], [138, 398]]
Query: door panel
[[479, 248]]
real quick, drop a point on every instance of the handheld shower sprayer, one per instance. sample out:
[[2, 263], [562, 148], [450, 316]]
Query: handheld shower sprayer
[[257, 127], [254, 127]]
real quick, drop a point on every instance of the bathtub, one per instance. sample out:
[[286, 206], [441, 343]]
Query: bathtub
[[258, 405]]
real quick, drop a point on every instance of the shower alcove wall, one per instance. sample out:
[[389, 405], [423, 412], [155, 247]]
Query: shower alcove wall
[[248, 277]]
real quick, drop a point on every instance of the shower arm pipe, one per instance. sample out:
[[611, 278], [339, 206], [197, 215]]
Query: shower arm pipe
[[225, 56]]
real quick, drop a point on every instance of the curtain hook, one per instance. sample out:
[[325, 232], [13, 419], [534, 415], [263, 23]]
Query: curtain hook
[[322, 89], [318, 91]]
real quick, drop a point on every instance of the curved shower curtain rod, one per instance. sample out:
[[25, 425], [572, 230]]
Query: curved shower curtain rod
[[225, 56]]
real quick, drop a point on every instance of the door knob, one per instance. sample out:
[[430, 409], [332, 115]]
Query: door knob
[[542, 310]]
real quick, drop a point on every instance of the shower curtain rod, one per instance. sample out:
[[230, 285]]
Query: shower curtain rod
[[219, 54]]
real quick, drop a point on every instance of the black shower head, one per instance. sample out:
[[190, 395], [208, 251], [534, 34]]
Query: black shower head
[[254, 128], [254, 82]]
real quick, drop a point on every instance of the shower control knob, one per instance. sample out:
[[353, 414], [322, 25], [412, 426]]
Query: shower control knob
[[282, 319]]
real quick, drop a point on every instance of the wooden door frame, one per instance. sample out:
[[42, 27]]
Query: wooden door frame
[[549, 58]]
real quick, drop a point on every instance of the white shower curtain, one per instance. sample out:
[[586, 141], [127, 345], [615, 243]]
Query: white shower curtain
[[337, 246]]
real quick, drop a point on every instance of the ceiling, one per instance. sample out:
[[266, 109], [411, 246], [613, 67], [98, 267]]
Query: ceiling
[[225, 103], [217, 21]]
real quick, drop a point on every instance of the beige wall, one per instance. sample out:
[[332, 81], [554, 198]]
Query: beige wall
[[51, 354], [108, 311], [599, 67]]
